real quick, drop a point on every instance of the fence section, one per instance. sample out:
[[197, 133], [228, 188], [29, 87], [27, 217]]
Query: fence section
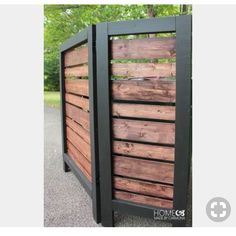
[[78, 96], [144, 78]]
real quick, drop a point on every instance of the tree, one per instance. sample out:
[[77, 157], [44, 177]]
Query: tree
[[63, 21]]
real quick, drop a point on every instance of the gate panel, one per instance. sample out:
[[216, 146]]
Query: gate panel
[[144, 152], [78, 97]]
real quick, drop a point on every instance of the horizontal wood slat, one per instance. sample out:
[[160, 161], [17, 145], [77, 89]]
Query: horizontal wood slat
[[77, 71], [77, 101], [144, 150], [145, 131], [83, 133], [143, 69], [143, 111], [143, 187], [143, 169], [78, 115], [148, 48], [141, 199], [77, 86], [144, 90], [81, 162], [79, 143], [76, 56]]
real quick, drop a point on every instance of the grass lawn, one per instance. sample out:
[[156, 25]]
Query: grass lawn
[[52, 99]]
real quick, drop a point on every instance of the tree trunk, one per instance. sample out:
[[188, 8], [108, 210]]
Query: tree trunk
[[151, 14], [183, 9]]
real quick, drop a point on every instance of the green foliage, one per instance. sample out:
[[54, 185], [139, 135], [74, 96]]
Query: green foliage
[[63, 21]]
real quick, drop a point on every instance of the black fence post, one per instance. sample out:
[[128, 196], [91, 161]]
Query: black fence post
[[104, 124], [183, 114], [93, 122], [66, 168]]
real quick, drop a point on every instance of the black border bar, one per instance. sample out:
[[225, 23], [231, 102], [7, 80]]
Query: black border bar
[[183, 112], [144, 26], [80, 38], [104, 124]]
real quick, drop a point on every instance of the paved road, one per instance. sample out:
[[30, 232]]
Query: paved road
[[66, 204]]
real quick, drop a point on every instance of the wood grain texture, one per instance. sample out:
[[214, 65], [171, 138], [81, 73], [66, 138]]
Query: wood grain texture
[[145, 131], [143, 187], [148, 48], [144, 150], [76, 71], [79, 101], [143, 69], [77, 86], [79, 159], [83, 133], [145, 200], [76, 56], [144, 90], [144, 111], [79, 143], [78, 115], [143, 169]]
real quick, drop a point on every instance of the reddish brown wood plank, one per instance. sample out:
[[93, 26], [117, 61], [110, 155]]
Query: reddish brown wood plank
[[81, 162], [76, 71], [77, 101], [143, 69], [77, 86], [79, 143], [144, 150], [143, 187], [83, 133], [143, 111], [141, 199], [76, 56], [148, 48], [146, 131], [144, 169], [144, 90], [80, 157], [78, 115]]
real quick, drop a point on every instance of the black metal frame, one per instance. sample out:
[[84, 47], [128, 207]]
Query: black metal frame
[[182, 26], [86, 36], [183, 124]]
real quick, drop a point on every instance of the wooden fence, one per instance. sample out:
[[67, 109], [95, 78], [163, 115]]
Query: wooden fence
[[78, 105], [139, 128], [126, 115]]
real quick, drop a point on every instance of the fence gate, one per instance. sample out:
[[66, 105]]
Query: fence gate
[[144, 116], [78, 105]]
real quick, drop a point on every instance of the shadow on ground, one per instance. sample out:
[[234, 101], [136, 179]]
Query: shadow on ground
[[66, 203]]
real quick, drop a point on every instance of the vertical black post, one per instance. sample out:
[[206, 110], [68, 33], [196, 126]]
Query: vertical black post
[[93, 121], [183, 113], [104, 123], [63, 125]]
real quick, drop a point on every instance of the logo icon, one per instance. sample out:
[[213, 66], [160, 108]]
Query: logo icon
[[218, 209], [164, 214]]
